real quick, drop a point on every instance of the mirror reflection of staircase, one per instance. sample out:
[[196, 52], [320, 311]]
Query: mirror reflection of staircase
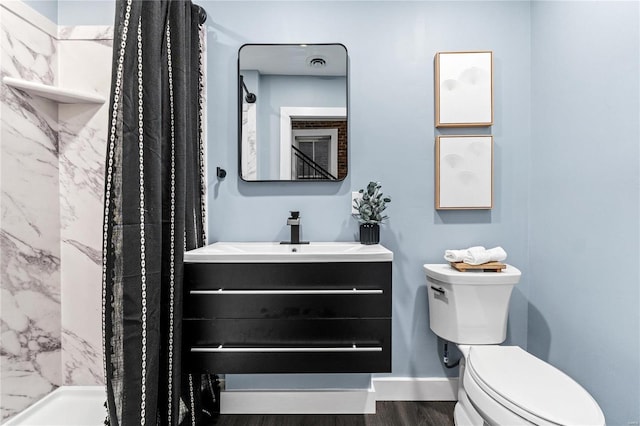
[[313, 163]]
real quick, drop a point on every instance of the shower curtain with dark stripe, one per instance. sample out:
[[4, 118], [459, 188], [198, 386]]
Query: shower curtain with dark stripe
[[153, 211]]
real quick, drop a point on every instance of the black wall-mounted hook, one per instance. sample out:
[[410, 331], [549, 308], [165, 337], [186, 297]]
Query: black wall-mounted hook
[[251, 97], [221, 173]]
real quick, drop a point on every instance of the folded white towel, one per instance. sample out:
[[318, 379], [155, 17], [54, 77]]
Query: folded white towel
[[479, 255], [476, 256], [497, 254], [458, 255]]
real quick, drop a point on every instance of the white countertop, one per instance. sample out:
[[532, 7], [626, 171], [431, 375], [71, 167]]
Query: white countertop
[[271, 252]]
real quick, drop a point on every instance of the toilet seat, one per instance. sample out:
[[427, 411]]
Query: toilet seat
[[529, 387]]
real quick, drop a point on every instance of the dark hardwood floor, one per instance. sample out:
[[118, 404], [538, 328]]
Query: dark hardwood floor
[[388, 413]]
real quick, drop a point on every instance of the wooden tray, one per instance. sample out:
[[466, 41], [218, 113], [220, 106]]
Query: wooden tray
[[486, 267]]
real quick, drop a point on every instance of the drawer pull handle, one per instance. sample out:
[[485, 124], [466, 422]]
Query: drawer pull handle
[[284, 292], [353, 348]]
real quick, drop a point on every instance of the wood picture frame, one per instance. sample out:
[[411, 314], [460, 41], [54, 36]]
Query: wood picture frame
[[464, 172], [464, 89]]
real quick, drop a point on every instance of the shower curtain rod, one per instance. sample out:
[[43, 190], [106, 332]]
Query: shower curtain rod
[[202, 14]]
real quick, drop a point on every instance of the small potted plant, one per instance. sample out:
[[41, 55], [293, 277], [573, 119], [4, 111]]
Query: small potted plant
[[370, 208]]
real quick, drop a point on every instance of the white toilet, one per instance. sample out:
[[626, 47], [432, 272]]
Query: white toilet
[[499, 385]]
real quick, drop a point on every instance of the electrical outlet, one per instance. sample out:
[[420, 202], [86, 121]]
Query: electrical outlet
[[355, 196]]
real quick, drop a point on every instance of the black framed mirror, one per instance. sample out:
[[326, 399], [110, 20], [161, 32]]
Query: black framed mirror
[[293, 112]]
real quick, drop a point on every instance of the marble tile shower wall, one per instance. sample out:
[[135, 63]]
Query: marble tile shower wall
[[51, 172], [30, 351], [82, 142]]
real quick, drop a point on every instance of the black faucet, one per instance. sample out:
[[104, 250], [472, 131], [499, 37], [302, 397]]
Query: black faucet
[[294, 222]]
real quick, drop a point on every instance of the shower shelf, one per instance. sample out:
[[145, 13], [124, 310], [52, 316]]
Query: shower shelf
[[58, 94]]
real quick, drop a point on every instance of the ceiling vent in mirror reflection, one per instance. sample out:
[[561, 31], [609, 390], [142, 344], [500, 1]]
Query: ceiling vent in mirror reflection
[[287, 94], [317, 62]]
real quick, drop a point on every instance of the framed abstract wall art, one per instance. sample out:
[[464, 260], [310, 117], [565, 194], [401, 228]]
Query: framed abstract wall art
[[464, 172], [464, 89]]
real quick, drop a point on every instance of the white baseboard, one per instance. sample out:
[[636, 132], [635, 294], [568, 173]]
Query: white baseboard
[[358, 401], [416, 388]]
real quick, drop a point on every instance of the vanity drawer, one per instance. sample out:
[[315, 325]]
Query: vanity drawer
[[306, 303], [286, 332], [256, 276], [291, 362], [285, 346], [287, 290]]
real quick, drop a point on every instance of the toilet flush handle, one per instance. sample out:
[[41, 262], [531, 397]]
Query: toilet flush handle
[[439, 290]]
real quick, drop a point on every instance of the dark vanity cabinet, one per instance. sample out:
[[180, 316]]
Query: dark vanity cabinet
[[287, 317]]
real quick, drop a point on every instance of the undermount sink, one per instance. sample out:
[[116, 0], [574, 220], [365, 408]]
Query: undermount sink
[[270, 252]]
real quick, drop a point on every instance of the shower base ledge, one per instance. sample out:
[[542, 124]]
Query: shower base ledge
[[67, 405]]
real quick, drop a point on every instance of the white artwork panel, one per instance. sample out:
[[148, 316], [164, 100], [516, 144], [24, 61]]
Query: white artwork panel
[[464, 93], [464, 172]]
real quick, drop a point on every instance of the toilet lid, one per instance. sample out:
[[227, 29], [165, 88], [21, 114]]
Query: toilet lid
[[530, 387]]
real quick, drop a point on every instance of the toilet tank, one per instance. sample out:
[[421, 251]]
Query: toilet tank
[[469, 307]]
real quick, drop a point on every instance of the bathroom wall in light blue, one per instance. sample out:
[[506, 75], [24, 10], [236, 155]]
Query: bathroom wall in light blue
[[391, 48], [86, 12], [76, 12], [584, 219], [48, 8]]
